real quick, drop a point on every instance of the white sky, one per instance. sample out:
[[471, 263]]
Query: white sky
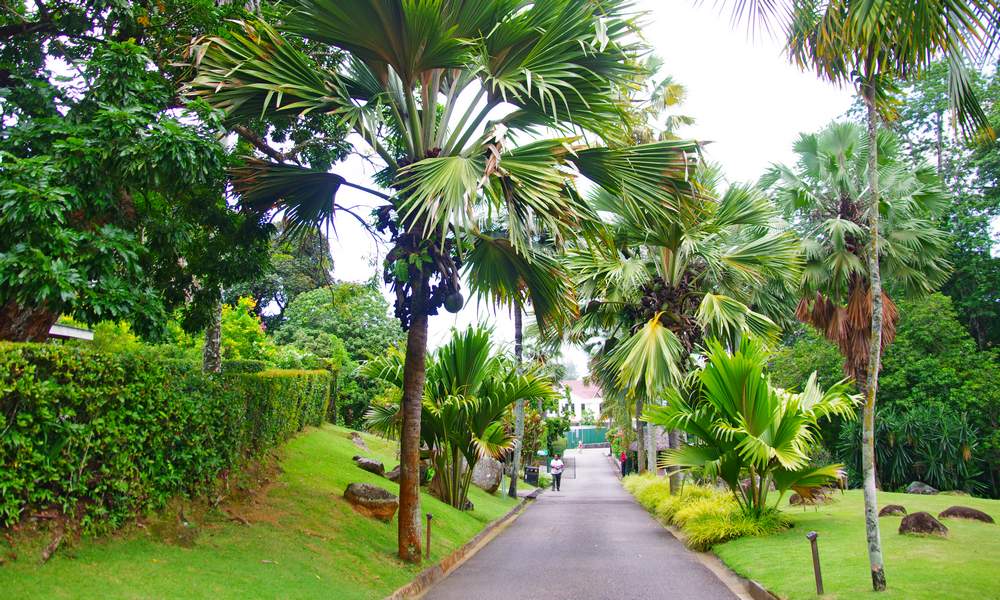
[[746, 99]]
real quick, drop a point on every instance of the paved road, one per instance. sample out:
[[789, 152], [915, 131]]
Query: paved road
[[590, 541]]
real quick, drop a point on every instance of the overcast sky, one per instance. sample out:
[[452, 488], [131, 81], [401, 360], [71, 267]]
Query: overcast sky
[[748, 101]]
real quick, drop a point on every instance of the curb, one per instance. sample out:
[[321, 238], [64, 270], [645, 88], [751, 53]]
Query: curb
[[433, 574]]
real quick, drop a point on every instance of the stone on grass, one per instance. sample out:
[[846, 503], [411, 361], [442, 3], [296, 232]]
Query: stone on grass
[[922, 523], [891, 510], [370, 464], [919, 487], [393, 475], [964, 512], [372, 501], [359, 441], [487, 474]]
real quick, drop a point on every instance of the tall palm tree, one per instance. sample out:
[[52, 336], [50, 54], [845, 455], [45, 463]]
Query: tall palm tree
[[664, 281], [875, 45], [825, 198], [451, 97]]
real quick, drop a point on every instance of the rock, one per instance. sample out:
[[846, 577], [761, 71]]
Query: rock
[[964, 512], [372, 501], [890, 510], [487, 474], [393, 475], [359, 441], [371, 465], [922, 523], [919, 487], [795, 499], [809, 496]]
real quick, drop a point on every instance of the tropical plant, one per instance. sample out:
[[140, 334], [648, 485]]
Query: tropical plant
[[739, 425], [439, 91], [670, 277], [469, 389], [825, 198], [874, 45]]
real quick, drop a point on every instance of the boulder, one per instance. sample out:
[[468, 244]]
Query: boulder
[[922, 523], [393, 475], [359, 441], [964, 512], [487, 474], [370, 464], [890, 510], [372, 501], [919, 487]]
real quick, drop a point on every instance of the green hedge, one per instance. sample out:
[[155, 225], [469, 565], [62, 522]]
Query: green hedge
[[104, 437], [245, 366]]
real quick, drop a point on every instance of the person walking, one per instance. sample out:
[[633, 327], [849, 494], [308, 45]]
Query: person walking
[[556, 468], [579, 447], [624, 463]]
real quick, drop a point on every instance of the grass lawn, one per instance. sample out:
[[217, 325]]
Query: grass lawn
[[965, 565], [304, 541]]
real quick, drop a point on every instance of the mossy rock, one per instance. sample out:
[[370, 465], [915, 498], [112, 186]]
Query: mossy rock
[[922, 523], [965, 512]]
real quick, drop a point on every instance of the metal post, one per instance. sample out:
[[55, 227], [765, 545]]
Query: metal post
[[811, 536], [428, 551]]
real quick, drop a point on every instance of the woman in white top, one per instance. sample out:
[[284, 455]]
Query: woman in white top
[[556, 468]]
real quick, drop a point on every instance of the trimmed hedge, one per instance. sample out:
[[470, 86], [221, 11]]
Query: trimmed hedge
[[245, 366], [104, 437]]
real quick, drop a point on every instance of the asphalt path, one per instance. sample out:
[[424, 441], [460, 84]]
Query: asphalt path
[[589, 541]]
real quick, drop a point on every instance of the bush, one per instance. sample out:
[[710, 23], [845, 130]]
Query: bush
[[244, 366], [103, 437], [704, 514]]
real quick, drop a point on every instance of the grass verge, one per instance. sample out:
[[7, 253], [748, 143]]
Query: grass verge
[[303, 540], [964, 565]]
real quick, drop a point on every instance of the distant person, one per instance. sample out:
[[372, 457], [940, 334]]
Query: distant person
[[556, 468], [624, 463], [579, 447]]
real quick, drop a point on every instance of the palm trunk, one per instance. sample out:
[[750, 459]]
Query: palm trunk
[[518, 407], [651, 448], [413, 391], [675, 474], [25, 324], [640, 435], [211, 356], [874, 355]]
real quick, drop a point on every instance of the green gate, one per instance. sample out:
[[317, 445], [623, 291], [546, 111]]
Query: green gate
[[590, 436]]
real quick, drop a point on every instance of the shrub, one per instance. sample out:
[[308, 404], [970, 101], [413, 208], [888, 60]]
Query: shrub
[[244, 366], [667, 506], [104, 437]]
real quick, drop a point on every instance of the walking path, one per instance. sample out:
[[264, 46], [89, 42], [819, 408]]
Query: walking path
[[590, 541]]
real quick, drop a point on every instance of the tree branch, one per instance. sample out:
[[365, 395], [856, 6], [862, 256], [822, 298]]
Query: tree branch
[[257, 142]]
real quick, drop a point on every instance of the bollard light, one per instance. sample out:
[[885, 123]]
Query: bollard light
[[811, 536], [428, 551]]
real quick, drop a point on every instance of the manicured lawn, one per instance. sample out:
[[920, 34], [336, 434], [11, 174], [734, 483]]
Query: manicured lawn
[[304, 541], [966, 565]]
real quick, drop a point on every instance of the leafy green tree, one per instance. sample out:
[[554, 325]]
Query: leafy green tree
[[243, 336], [469, 389], [101, 225], [440, 92], [742, 425]]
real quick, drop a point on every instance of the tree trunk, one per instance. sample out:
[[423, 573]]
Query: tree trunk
[[25, 324], [413, 391], [212, 353], [519, 406], [651, 448], [874, 355], [640, 435], [675, 474]]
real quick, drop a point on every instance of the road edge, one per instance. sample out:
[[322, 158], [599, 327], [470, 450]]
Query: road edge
[[424, 580]]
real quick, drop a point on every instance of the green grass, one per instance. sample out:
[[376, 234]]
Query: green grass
[[965, 565], [304, 541]]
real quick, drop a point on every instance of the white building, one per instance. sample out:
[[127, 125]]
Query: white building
[[583, 396]]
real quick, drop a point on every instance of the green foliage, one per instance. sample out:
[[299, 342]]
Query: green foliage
[[243, 336], [468, 390], [245, 366], [740, 424], [705, 515], [103, 437]]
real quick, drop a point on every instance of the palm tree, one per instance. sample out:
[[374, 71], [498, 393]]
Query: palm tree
[[448, 95], [468, 389], [742, 424], [874, 45], [825, 197], [664, 281]]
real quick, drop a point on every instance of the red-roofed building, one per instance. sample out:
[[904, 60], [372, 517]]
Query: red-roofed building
[[583, 396]]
